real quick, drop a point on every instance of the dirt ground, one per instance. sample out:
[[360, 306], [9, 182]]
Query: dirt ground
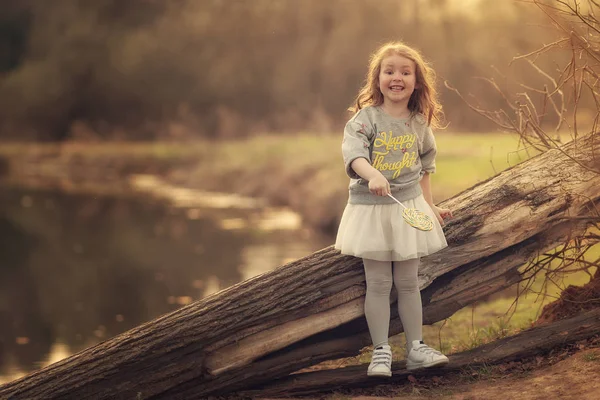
[[572, 374], [577, 377]]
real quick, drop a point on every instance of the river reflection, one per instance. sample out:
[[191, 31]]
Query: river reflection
[[76, 270]]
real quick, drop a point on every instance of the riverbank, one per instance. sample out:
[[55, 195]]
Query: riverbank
[[303, 172]]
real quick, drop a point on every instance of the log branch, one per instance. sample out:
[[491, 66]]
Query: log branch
[[525, 344]]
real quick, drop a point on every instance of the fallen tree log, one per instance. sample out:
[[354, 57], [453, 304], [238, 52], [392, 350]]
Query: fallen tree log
[[525, 344], [312, 309]]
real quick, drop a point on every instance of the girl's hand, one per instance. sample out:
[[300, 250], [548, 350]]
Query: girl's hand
[[379, 185], [441, 214]]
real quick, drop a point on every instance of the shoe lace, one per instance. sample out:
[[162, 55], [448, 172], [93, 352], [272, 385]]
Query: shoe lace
[[381, 356]]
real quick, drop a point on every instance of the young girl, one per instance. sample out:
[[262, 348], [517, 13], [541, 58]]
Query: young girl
[[389, 148]]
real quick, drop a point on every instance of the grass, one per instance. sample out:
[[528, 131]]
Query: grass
[[502, 315], [149, 150], [478, 372], [303, 171], [466, 160], [463, 159]]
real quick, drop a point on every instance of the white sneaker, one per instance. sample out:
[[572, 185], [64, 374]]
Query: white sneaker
[[423, 356], [381, 363]]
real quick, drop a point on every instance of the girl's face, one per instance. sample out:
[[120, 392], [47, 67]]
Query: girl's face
[[397, 80]]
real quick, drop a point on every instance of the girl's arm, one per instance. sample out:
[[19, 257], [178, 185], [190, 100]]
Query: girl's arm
[[364, 169], [378, 184], [440, 213], [426, 188]]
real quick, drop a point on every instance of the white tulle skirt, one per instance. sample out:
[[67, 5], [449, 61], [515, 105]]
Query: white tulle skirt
[[378, 232]]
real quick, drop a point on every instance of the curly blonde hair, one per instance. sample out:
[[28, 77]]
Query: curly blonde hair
[[424, 99]]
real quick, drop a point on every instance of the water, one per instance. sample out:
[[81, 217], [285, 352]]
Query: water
[[78, 269]]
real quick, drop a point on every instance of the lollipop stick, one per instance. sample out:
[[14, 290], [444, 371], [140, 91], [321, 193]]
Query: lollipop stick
[[396, 200]]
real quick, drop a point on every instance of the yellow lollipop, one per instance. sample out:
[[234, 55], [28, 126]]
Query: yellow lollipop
[[415, 218]]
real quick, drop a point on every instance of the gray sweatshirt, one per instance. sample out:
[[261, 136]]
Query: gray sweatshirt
[[401, 149]]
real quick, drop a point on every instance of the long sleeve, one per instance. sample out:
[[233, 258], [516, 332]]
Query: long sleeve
[[428, 152], [356, 143]]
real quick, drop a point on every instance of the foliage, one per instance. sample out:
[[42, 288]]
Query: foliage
[[145, 69]]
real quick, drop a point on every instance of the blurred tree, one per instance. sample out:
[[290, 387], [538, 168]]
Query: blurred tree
[[234, 68], [14, 28]]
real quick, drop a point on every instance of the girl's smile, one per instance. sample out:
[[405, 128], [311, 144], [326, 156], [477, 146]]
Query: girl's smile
[[397, 80]]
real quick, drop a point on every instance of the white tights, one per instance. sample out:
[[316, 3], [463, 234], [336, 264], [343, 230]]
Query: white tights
[[380, 276]]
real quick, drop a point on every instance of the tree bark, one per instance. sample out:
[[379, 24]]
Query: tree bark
[[520, 346], [312, 309]]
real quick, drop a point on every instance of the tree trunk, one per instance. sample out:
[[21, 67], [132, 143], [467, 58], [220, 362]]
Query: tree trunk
[[312, 309], [520, 346]]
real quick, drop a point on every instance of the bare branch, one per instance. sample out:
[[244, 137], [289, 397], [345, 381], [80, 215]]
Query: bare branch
[[561, 95], [539, 51]]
